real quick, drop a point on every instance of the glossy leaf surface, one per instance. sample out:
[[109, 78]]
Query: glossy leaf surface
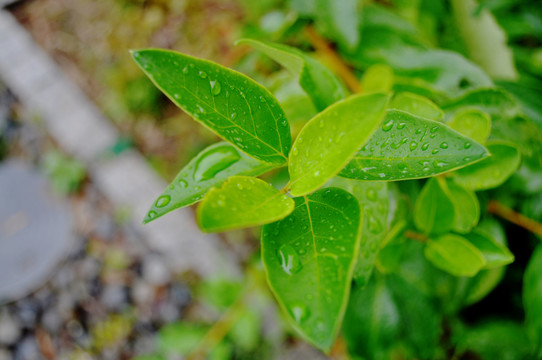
[[410, 147], [434, 211], [330, 139], [232, 105], [455, 255], [242, 202], [493, 171], [473, 123], [209, 168], [309, 259], [494, 253], [318, 81], [373, 200], [467, 208], [417, 105]]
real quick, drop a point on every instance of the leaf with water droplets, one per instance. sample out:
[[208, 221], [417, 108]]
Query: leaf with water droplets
[[472, 123], [309, 259], [319, 82], [434, 210], [455, 255], [495, 254], [417, 105], [242, 202], [410, 147], [373, 200], [330, 139], [232, 105], [209, 168], [493, 171], [467, 208]]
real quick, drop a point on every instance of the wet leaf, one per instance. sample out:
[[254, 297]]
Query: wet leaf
[[309, 258], [417, 105], [232, 105], [242, 202], [467, 208], [434, 210], [318, 81], [373, 200], [330, 139], [492, 171], [455, 255], [209, 168], [410, 147], [472, 123]]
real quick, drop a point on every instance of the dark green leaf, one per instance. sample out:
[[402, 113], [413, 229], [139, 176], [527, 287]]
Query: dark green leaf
[[410, 147], [493, 171], [330, 139], [373, 200], [309, 258], [234, 106], [455, 255], [467, 208], [242, 202], [209, 168], [339, 20], [417, 105], [318, 81], [434, 211], [532, 299]]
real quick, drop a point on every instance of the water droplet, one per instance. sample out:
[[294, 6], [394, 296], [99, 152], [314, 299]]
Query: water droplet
[[299, 312], [375, 226], [435, 151], [371, 194], [200, 109], [162, 201], [185, 70], [202, 74], [425, 146], [215, 87], [467, 145], [233, 115], [418, 131], [151, 214], [434, 129], [444, 145], [215, 161], [401, 126], [289, 260], [387, 126], [413, 145], [240, 187]]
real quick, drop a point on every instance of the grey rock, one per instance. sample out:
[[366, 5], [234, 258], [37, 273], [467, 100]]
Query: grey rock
[[51, 321], [142, 292], [155, 270], [113, 297], [10, 329], [28, 349]]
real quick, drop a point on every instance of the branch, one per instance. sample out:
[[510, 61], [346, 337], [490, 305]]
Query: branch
[[323, 48], [495, 207]]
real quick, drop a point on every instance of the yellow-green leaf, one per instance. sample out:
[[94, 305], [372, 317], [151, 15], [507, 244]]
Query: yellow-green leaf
[[455, 255]]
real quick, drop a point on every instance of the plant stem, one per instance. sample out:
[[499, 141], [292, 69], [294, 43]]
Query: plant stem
[[338, 65], [495, 207], [219, 330], [415, 236]]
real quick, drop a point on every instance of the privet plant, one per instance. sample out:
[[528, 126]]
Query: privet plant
[[352, 231]]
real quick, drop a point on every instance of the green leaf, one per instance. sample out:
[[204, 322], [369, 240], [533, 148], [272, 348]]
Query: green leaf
[[339, 20], [209, 168], [219, 293], [373, 200], [492, 171], [494, 253], [467, 208], [434, 211], [318, 81], [481, 284], [242, 202], [309, 259], [330, 139], [532, 298], [246, 331], [455, 255], [232, 105], [378, 78], [180, 338], [492, 101], [417, 105], [472, 123], [372, 323], [410, 147]]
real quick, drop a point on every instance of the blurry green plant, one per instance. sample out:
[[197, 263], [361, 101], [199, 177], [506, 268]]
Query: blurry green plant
[[66, 174], [353, 202]]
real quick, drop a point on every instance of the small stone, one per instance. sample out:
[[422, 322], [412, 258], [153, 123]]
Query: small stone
[[169, 312], [27, 349], [5, 355], [179, 295], [142, 292], [155, 271], [113, 297], [10, 329], [51, 321]]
